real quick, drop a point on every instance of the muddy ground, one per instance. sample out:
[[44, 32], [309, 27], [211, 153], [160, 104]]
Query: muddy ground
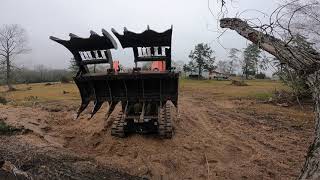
[[213, 139]]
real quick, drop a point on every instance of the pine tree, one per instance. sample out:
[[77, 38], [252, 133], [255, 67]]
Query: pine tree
[[202, 58], [251, 57], [233, 59], [73, 67]]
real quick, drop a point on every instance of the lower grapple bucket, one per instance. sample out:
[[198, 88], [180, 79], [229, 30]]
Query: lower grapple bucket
[[126, 87]]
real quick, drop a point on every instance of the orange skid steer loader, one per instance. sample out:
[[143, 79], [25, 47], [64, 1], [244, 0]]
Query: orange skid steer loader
[[143, 94]]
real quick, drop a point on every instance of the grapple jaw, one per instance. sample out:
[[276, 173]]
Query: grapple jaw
[[112, 106], [127, 87]]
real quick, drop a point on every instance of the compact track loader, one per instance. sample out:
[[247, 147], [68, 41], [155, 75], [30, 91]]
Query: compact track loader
[[143, 95]]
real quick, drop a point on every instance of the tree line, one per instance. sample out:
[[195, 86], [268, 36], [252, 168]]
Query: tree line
[[37, 74], [249, 62]]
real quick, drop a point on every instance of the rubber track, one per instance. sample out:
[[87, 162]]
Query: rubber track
[[165, 126], [117, 128]]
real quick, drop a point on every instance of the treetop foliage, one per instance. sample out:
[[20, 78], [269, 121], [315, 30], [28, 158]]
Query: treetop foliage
[[202, 58]]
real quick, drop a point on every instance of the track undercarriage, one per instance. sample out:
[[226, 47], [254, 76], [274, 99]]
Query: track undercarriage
[[143, 118]]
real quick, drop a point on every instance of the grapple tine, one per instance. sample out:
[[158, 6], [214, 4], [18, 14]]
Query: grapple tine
[[82, 107], [97, 106], [112, 105], [175, 103]]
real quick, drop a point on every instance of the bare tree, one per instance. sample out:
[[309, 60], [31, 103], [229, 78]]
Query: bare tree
[[307, 64], [13, 41], [290, 18], [304, 17], [223, 67]]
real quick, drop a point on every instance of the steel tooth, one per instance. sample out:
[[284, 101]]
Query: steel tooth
[[112, 105], [97, 106], [73, 36], [113, 31], [92, 33], [106, 34], [55, 38], [83, 106]]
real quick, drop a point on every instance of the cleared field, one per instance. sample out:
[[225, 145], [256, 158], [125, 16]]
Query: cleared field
[[262, 89], [221, 132], [43, 92]]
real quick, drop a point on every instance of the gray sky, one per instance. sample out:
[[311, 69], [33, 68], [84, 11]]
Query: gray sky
[[190, 19]]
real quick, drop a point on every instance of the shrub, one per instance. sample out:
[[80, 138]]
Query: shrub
[[260, 76], [48, 84], [298, 84], [238, 83], [64, 79], [6, 129], [195, 76], [31, 98], [3, 100], [283, 98]]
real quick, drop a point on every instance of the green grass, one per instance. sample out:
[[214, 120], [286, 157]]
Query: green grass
[[41, 92], [261, 96], [256, 89]]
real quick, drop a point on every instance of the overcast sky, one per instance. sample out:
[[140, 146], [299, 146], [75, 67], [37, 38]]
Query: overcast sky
[[191, 20]]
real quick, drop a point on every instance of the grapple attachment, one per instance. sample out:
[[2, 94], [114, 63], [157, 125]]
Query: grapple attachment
[[126, 87]]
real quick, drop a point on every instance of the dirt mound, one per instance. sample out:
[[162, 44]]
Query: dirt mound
[[238, 83], [49, 163]]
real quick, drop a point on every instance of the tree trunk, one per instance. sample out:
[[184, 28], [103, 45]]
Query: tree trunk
[[199, 72], [247, 72], [311, 169], [8, 75], [306, 64]]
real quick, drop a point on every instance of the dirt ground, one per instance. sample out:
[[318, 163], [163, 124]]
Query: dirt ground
[[214, 138]]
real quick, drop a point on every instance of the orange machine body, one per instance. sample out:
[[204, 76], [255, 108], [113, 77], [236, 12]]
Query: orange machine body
[[116, 65], [158, 66]]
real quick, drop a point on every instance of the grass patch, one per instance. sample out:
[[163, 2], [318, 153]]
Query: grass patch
[[29, 101], [262, 96], [40, 92], [6, 129], [238, 83], [256, 89]]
